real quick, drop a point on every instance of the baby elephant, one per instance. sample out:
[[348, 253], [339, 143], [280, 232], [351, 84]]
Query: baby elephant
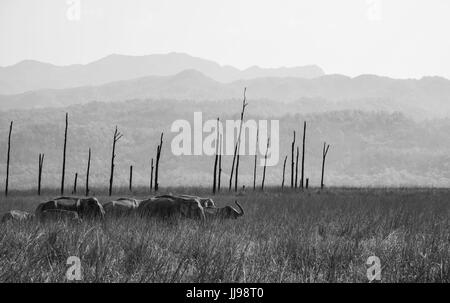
[[60, 215], [16, 215]]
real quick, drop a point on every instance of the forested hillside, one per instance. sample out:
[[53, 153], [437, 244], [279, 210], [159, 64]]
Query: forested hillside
[[367, 148]]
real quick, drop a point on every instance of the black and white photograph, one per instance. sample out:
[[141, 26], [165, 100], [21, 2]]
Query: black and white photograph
[[224, 146]]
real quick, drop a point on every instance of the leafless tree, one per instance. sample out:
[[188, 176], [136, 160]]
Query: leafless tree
[[158, 156], [324, 154], [292, 161], [74, 191], [284, 170], [7, 158], [116, 138], [296, 168], [87, 173], [256, 158], [41, 163], [220, 163], [64, 155], [237, 147], [303, 155], [265, 164], [131, 178], [216, 159], [151, 176]]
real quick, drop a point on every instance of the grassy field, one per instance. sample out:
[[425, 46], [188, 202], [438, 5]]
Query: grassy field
[[311, 236]]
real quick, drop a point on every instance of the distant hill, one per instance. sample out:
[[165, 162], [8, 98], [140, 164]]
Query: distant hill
[[423, 98], [31, 75]]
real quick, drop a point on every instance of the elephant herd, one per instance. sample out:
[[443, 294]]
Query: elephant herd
[[162, 206]]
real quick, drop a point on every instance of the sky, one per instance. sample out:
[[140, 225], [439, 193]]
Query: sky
[[395, 38]]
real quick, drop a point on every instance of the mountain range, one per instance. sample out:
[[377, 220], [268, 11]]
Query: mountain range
[[31, 75], [423, 98], [176, 76]]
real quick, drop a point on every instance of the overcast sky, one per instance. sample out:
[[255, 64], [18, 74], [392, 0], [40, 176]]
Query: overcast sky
[[397, 38]]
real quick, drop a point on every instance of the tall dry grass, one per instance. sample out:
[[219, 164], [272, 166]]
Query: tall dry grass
[[311, 236]]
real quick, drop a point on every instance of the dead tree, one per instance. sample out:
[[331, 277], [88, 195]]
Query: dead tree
[[292, 161], [158, 156], [220, 163], [7, 158], [303, 156], [296, 168], [307, 183], [324, 154], [116, 138], [256, 158], [237, 147], [87, 173], [151, 176], [131, 178], [74, 191], [64, 155], [265, 164], [216, 159], [41, 162], [284, 170]]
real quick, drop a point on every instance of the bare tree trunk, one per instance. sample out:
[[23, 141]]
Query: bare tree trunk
[[87, 173], [151, 176], [216, 159], [220, 163], [117, 136], [265, 164], [237, 147], [64, 155], [284, 170], [131, 178], [303, 155], [256, 158], [324, 154], [7, 158], [74, 191], [296, 168], [292, 161], [41, 162], [307, 183], [158, 156]]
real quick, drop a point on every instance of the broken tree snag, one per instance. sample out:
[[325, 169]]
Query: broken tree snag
[[41, 162], [303, 156], [265, 164], [151, 176], [87, 173], [284, 170], [324, 154], [64, 155], [131, 178], [158, 156], [7, 158], [256, 158], [216, 159], [296, 168], [292, 161], [116, 138], [220, 162], [74, 191], [237, 147], [307, 183]]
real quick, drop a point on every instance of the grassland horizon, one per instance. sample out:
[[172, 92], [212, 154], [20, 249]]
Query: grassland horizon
[[285, 236]]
